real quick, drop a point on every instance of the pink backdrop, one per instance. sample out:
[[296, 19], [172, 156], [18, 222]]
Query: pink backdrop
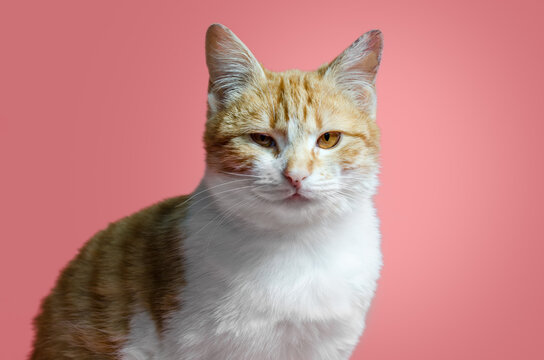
[[102, 107]]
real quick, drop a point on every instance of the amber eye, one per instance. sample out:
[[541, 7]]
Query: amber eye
[[328, 139], [263, 140]]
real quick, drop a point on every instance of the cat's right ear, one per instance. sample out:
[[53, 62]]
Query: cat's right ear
[[231, 66]]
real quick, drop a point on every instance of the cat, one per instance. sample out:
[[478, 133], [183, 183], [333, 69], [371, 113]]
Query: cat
[[276, 255]]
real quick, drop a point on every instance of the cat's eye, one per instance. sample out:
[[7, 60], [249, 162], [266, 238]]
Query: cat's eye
[[328, 139], [263, 140]]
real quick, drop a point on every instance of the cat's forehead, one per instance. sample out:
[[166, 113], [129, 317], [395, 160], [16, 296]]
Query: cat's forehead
[[301, 98]]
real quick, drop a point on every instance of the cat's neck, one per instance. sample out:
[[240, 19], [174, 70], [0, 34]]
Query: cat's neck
[[231, 246], [208, 226]]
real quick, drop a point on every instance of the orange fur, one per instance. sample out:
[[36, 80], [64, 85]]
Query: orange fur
[[133, 264], [308, 98]]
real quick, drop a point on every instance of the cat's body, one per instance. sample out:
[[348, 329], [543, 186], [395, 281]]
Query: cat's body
[[275, 255], [290, 295]]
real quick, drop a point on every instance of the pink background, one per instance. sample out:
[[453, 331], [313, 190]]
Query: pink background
[[102, 107]]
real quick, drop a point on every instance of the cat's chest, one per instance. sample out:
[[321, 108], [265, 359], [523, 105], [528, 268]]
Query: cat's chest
[[274, 297], [300, 290], [315, 275]]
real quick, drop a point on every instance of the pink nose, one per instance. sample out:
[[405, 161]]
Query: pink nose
[[295, 178]]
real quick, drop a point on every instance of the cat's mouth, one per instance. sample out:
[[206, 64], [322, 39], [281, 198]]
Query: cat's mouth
[[296, 198], [292, 197]]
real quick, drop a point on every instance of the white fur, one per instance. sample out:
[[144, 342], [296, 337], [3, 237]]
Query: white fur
[[295, 292], [143, 341]]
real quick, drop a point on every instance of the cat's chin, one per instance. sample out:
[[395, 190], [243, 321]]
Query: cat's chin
[[291, 212], [296, 201]]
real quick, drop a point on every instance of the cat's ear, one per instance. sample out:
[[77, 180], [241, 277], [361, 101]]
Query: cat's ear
[[231, 66], [354, 70]]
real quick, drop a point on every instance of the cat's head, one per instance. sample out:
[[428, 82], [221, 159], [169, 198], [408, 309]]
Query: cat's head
[[290, 148]]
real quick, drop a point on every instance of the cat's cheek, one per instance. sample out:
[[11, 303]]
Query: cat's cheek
[[329, 167], [232, 158], [356, 156], [349, 158]]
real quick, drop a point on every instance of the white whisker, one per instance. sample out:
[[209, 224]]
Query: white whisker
[[222, 192], [208, 189], [222, 216], [238, 174]]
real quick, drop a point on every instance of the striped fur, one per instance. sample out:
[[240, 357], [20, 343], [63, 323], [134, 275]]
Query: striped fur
[[134, 263]]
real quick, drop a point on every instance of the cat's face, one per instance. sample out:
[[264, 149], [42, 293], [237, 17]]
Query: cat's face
[[295, 147]]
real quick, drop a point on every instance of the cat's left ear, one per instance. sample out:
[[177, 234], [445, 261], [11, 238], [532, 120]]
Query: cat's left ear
[[354, 70], [232, 67]]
